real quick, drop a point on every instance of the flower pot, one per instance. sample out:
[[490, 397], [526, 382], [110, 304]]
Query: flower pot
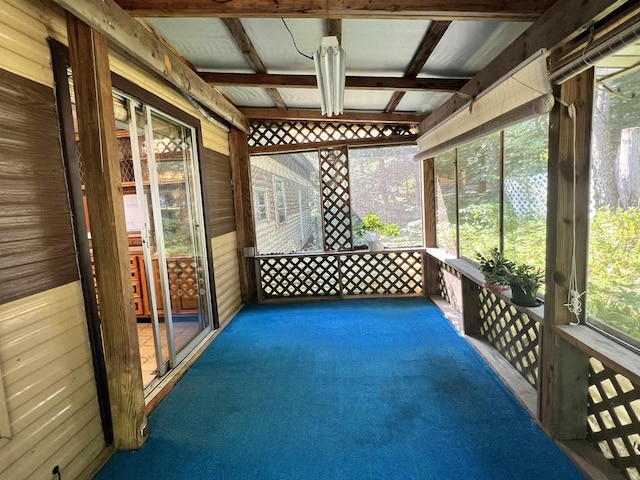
[[520, 297], [373, 242]]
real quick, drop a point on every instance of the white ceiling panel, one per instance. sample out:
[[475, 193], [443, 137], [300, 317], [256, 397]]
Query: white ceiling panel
[[381, 47], [300, 97], [422, 102], [248, 96], [205, 42], [366, 99], [275, 46], [467, 47]]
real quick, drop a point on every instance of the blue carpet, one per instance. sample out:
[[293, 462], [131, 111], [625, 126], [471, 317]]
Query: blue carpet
[[366, 389]]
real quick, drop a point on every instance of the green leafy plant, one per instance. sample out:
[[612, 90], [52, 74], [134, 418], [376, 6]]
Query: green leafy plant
[[372, 223], [525, 277], [495, 267]]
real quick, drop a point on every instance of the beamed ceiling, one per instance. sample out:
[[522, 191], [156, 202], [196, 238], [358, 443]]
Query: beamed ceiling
[[404, 58]]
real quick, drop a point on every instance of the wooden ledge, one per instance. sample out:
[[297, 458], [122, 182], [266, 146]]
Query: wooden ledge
[[440, 254], [471, 272], [612, 354]]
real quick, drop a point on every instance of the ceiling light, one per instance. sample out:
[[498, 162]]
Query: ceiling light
[[330, 67]]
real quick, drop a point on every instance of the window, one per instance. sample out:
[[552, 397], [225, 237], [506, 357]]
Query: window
[[525, 191], [446, 208], [289, 181], [260, 204], [388, 182], [613, 286], [513, 219], [280, 202], [479, 195]]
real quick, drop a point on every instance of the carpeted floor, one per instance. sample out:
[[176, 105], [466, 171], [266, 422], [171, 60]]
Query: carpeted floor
[[365, 389]]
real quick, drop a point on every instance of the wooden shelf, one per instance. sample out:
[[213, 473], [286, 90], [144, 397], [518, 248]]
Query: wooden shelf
[[621, 360], [472, 273]]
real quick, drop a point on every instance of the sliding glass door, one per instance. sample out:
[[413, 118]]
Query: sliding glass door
[[173, 241]]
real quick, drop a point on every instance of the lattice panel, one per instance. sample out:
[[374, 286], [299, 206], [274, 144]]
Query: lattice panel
[[513, 334], [614, 418], [450, 286], [314, 275], [183, 283], [336, 199], [382, 273], [126, 161], [268, 134]]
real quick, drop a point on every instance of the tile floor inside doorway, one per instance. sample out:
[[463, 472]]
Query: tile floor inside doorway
[[184, 332]]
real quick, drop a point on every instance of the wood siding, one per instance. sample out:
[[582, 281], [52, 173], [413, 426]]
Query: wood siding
[[218, 194], [37, 250], [25, 26], [46, 365], [225, 262], [214, 136]]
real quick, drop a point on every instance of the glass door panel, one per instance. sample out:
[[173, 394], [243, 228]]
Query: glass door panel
[[186, 282], [153, 294]]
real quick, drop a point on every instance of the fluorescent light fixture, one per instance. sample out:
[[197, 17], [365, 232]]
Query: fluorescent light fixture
[[330, 67]]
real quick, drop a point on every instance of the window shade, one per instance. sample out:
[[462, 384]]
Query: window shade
[[522, 93]]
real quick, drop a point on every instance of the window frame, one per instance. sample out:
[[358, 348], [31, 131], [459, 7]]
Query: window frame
[[277, 193], [260, 207]]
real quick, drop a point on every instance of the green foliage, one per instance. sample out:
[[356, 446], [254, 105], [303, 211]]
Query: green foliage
[[614, 269], [495, 267], [372, 223], [498, 270], [526, 277]]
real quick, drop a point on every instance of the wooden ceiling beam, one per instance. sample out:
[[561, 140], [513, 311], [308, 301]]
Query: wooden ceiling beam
[[134, 41], [316, 116], [485, 10], [334, 28], [251, 55], [352, 83], [431, 39]]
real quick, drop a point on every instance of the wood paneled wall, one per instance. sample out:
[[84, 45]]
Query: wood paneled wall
[[218, 193], [45, 361], [36, 238], [225, 262]]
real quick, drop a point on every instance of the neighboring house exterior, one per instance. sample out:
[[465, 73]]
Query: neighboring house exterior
[[286, 203]]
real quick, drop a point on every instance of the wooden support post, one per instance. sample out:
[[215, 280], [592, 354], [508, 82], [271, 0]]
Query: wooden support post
[[571, 385], [429, 228], [89, 55], [560, 376], [429, 203], [470, 306], [245, 234]]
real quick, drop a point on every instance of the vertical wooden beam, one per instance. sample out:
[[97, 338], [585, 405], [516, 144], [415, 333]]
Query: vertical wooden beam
[[562, 396], [243, 205], [429, 227], [89, 55], [429, 203], [470, 306]]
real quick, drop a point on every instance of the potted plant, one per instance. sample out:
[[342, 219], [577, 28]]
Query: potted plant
[[525, 280], [495, 269], [372, 229]]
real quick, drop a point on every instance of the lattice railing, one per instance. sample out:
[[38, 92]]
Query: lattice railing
[[512, 333], [393, 272], [382, 273], [297, 276], [336, 198], [450, 286], [614, 417], [265, 134]]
